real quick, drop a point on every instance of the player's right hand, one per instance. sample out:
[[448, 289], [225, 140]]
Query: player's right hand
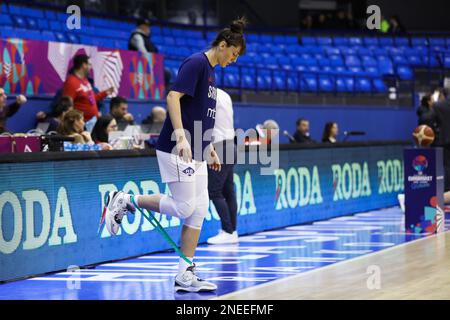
[[184, 149]]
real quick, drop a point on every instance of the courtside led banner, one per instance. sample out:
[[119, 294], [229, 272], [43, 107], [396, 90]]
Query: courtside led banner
[[50, 211], [41, 67]]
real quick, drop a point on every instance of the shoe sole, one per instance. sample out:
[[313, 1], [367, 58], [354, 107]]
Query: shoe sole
[[190, 289]]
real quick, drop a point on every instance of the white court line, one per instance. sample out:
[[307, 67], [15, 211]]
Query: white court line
[[320, 269]]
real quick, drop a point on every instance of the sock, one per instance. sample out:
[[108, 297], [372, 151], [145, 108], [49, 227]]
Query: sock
[[183, 265]]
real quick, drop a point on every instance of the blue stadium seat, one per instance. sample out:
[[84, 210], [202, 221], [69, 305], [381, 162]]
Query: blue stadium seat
[[371, 41], [341, 85], [379, 85], [415, 60], [49, 14], [372, 71], [43, 24], [72, 37], [365, 51], [20, 22], [306, 40], [363, 85], [405, 72], [341, 41], [309, 83], [5, 20], [48, 35], [386, 41], [352, 61], [324, 41], [57, 25], [401, 41], [279, 39], [4, 8], [156, 31], [355, 41], [181, 41], [369, 61], [446, 60], [279, 80], [399, 59], [306, 60], [291, 40], [264, 80], [326, 83], [336, 60], [419, 41], [248, 78], [356, 71], [385, 65], [169, 41], [332, 51], [266, 38], [292, 82], [285, 63], [231, 80], [346, 51], [167, 31]]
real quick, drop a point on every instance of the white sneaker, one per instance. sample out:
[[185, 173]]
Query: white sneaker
[[117, 205], [188, 281], [224, 238]]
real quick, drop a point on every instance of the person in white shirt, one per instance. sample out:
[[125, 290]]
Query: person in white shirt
[[220, 183]]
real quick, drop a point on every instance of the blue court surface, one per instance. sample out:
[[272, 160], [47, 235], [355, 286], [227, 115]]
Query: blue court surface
[[257, 259]]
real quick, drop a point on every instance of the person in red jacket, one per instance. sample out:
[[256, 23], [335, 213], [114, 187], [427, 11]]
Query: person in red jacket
[[80, 90]]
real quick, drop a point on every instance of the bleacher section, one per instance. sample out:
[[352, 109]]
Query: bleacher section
[[340, 64]]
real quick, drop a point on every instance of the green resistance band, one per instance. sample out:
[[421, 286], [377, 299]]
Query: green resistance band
[[151, 218]]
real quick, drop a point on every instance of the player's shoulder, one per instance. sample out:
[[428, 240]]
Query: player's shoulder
[[198, 60]]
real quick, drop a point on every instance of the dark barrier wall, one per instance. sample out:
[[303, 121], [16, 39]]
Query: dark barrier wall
[[50, 207], [380, 123]]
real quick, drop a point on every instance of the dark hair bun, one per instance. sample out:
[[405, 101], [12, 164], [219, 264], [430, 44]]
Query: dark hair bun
[[238, 25]]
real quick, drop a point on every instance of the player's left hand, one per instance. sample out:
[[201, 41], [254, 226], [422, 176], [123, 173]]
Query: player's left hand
[[213, 161], [21, 99]]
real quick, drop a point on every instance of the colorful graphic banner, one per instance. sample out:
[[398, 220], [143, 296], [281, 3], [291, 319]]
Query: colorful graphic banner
[[424, 190], [50, 211], [41, 67]]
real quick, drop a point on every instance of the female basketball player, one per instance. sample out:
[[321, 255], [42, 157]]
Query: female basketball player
[[182, 152]]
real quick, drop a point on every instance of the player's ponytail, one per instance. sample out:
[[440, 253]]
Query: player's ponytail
[[233, 36]]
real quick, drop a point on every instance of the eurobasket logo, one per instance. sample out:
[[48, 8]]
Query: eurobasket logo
[[419, 181], [420, 163]]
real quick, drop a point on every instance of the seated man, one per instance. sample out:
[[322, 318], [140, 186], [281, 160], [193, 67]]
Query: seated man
[[118, 108], [301, 135], [8, 111]]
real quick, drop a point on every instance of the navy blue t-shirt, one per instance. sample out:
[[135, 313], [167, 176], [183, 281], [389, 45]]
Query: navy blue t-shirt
[[196, 80]]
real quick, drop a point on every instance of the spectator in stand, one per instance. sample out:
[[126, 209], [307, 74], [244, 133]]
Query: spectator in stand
[[307, 22], [7, 111], [118, 108], [395, 25], [100, 134], [64, 105], [301, 135], [78, 87], [330, 132], [158, 115], [140, 38], [140, 41], [72, 125], [426, 114]]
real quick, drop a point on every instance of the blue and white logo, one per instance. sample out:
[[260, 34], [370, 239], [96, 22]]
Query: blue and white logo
[[189, 171]]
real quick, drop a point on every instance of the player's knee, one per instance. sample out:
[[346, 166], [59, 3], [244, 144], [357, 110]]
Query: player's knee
[[185, 208]]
